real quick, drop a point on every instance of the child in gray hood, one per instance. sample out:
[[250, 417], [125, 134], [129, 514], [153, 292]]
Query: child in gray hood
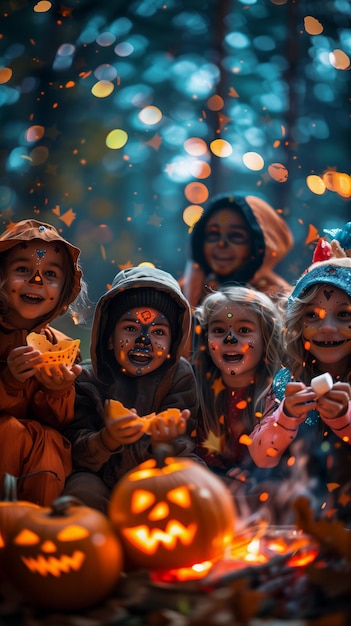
[[140, 328]]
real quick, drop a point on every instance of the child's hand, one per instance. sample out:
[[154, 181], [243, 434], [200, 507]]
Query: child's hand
[[165, 433], [335, 402], [22, 361], [299, 399], [60, 376], [122, 431]]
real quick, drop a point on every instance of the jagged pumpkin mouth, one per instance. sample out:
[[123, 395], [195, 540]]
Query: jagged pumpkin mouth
[[53, 565], [149, 539]]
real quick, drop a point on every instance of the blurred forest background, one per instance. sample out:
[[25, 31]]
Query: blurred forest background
[[119, 118]]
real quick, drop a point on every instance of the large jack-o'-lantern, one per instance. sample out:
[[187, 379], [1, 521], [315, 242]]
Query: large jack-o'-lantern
[[64, 557], [172, 513]]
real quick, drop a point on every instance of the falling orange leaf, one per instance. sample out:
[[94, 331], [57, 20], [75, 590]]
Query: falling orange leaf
[[233, 93], [213, 443], [68, 217], [125, 266], [155, 142], [313, 235], [344, 499], [332, 486], [218, 386]]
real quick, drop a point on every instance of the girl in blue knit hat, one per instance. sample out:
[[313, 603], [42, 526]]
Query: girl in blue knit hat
[[306, 427]]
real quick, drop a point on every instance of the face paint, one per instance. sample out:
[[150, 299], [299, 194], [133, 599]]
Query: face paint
[[230, 338], [36, 279], [146, 316], [141, 341], [230, 335], [40, 255], [326, 329]]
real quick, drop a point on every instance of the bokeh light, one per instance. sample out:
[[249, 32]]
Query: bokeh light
[[120, 119]]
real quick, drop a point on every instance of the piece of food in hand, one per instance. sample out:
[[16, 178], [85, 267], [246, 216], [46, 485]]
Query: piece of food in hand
[[115, 410], [322, 384], [64, 352]]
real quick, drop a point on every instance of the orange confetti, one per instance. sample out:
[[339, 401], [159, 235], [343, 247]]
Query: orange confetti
[[264, 496], [291, 461], [245, 440], [242, 404], [272, 452]]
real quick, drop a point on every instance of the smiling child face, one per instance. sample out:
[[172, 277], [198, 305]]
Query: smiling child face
[[227, 241], [235, 344], [141, 340], [327, 327]]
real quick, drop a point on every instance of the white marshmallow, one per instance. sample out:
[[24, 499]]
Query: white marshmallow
[[322, 384]]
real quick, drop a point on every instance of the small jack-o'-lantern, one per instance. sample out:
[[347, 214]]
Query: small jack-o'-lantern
[[11, 510], [172, 513], [64, 557]]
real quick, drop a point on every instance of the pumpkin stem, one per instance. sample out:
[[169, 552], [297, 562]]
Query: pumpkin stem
[[61, 504], [9, 493], [161, 452], [9, 489]]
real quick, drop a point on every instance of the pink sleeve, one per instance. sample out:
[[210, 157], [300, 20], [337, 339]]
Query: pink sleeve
[[341, 426], [271, 437]]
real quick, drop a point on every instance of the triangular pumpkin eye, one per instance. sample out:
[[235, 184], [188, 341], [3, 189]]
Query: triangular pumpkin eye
[[26, 538], [73, 532], [180, 496], [142, 500]]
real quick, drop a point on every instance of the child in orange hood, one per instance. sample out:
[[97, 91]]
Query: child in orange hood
[[39, 280]]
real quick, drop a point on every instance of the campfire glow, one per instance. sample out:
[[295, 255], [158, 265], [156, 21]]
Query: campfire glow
[[254, 548]]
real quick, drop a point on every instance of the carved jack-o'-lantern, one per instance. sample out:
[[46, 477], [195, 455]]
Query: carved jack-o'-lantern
[[171, 514], [11, 510], [64, 557]]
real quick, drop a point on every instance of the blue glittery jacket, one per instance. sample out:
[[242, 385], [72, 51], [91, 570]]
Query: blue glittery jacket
[[317, 453]]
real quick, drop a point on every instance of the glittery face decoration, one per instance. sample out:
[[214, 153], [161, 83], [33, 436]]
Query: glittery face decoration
[[40, 254]]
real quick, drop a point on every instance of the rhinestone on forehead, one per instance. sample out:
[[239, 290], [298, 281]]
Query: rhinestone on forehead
[[42, 229], [229, 314]]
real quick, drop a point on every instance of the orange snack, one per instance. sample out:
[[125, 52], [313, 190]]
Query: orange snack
[[115, 410], [65, 351]]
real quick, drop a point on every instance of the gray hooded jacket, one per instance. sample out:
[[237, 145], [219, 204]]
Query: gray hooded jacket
[[171, 385]]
